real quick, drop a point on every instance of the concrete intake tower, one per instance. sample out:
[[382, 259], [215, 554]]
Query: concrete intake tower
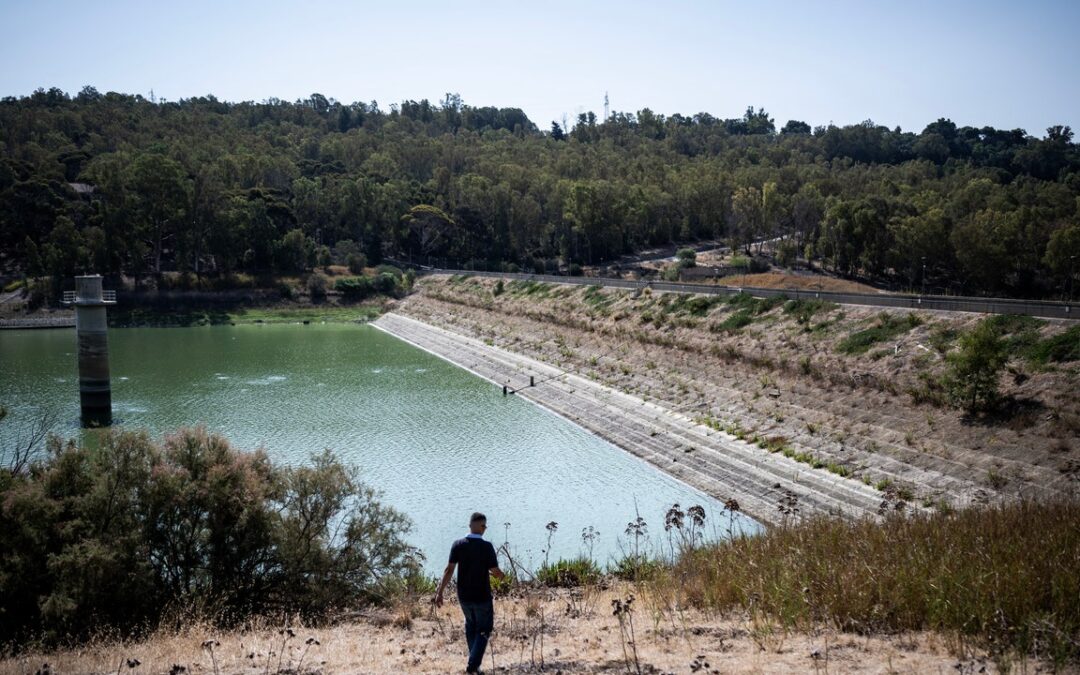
[[95, 390]]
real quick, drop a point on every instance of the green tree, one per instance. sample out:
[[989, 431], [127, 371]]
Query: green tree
[[294, 252], [975, 368], [1063, 254], [986, 246], [159, 188], [429, 231]]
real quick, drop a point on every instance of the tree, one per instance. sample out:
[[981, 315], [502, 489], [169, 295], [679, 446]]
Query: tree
[[795, 127], [986, 244], [974, 369], [159, 188], [294, 251], [557, 132], [1063, 253], [746, 217], [429, 230]]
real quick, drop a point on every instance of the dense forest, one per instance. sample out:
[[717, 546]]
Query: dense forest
[[120, 184]]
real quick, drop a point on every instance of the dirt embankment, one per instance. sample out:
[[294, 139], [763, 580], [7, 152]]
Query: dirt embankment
[[845, 391], [538, 631]]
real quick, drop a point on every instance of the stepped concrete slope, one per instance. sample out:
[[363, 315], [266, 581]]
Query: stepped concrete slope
[[766, 485]]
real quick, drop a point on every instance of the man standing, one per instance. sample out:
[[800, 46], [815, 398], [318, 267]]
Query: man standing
[[475, 559]]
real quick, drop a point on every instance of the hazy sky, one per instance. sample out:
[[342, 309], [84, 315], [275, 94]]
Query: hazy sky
[[1005, 64]]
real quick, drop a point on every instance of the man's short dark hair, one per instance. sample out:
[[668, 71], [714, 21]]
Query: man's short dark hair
[[477, 517]]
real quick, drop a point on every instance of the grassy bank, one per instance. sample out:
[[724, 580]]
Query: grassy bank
[[991, 588], [291, 313], [1003, 576], [890, 398]]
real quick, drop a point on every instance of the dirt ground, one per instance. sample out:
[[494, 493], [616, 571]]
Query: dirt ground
[[778, 377], [797, 281], [535, 631]]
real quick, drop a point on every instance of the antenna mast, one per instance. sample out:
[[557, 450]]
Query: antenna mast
[[607, 108]]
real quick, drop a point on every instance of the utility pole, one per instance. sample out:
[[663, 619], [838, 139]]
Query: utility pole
[[1072, 273], [923, 292]]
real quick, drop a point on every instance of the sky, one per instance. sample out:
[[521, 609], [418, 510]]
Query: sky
[[1003, 64]]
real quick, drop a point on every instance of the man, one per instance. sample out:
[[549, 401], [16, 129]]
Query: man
[[475, 560]]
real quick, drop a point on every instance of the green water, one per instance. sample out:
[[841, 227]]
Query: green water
[[436, 440]]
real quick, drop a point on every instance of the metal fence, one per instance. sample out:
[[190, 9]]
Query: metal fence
[[1039, 308]]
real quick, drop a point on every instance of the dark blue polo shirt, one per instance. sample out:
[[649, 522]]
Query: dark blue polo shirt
[[474, 557]]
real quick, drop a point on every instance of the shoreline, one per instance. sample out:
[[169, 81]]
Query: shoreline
[[708, 460]]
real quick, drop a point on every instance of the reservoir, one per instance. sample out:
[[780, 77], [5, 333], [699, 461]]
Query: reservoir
[[437, 441]]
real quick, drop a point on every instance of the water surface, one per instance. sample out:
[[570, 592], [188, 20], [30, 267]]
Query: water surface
[[438, 441]]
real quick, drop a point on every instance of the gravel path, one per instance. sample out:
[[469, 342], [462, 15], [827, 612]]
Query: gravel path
[[65, 320], [709, 460]]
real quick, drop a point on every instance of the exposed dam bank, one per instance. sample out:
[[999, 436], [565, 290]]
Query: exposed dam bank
[[767, 486]]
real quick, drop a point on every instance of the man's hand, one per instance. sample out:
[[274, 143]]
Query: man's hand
[[438, 599]]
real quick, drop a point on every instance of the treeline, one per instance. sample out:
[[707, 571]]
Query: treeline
[[122, 185]]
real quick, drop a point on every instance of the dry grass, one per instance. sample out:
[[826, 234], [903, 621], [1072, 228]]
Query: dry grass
[[1004, 576], [797, 281], [552, 631], [874, 413]]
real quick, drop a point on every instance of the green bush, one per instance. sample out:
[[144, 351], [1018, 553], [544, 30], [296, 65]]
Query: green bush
[[888, 327], [804, 310], [387, 283], [687, 257], [117, 534], [391, 270], [354, 288], [636, 568], [569, 573], [975, 368], [316, 285], [356, 262], [1058, 348]]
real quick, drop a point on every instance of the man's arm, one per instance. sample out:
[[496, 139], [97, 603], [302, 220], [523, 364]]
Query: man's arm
[[493, 563], [442, 584]]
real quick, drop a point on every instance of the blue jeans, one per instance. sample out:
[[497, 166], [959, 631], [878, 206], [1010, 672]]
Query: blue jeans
[[479, 621]]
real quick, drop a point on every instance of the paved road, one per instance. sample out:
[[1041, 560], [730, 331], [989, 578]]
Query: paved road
[[1039, 308]]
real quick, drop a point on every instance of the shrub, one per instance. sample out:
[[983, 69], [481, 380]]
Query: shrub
[[687, 257], [354, 288], [387, 283], [888, 327], [1058, 348], [569, 573], [636, 568], [316, 286], [786, 252], [389, 269], [804, 310], [115, 535], [1004, 575], [974, 369], [356, 262]]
